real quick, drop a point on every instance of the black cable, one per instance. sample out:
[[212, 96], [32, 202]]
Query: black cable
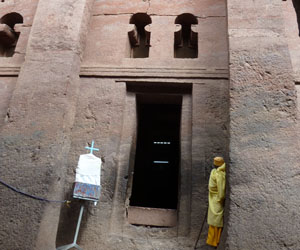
[[30, 195]]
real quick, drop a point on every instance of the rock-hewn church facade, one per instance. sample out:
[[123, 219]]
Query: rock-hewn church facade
[[162, 87]]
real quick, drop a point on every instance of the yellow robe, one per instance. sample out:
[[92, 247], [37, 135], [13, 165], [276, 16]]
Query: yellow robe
[[214, 235], [216, 197]]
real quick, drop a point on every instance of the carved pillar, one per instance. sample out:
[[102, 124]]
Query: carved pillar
[[34, 142]]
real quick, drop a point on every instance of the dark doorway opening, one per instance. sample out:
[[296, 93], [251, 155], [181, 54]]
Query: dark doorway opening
[[155, 180]]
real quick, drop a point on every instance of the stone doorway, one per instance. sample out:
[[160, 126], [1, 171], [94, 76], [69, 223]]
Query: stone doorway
[[173, 216], [157, 158]]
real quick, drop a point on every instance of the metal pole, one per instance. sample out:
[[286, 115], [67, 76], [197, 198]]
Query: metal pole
[[78, 224], [74, 244]]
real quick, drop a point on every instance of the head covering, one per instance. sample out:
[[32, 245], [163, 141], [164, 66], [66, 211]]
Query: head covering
[[218, 161]]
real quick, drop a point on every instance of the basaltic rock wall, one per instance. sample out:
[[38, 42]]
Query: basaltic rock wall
[[264, 146], [70, 73]]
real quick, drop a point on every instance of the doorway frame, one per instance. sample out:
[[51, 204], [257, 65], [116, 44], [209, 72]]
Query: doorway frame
[[119, 217]]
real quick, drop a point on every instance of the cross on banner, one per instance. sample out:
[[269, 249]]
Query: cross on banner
[[92, 148]]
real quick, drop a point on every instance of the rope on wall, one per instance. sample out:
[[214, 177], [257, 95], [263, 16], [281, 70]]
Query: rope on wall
[[32, 196]]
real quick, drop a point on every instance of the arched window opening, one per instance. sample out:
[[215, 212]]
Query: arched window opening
[[185, 39], [296, 4], [139, 37], [8, 35]]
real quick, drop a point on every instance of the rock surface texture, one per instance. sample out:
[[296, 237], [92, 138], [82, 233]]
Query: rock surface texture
[[73, 79], [36, 135], [264, 147]]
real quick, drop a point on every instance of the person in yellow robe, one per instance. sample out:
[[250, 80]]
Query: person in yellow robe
[[216, 196]]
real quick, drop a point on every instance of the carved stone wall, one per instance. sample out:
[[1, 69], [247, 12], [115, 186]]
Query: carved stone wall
[[34, 139], [71, 80], [264, 147]]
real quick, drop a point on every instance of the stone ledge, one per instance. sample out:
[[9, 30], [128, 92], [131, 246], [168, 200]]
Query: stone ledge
[[138, 72], [154, 72], [10, 71]]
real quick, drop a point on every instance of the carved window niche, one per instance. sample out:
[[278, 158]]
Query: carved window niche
[[185, 38], [139, 36], [8, 34], [297, 9]]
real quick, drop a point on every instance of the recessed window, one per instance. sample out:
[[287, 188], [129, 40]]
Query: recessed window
[[8, 35], [185, 39], [139, 37], [296, 4]]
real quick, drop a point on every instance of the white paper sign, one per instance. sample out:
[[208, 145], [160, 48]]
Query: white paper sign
[[89, 169]]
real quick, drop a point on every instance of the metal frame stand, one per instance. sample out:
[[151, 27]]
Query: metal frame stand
[[74, 244]]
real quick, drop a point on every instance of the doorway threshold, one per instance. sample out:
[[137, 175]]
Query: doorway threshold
[[149, 216]]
